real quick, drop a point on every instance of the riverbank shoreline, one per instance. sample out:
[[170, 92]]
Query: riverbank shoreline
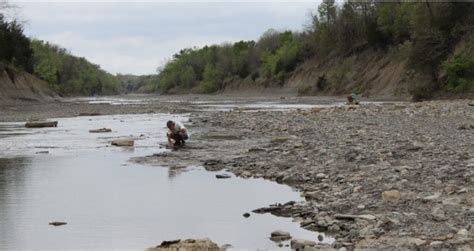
[[379, 175], [383, 176]]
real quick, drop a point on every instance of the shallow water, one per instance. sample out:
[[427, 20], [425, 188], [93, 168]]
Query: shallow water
[[110, 203]]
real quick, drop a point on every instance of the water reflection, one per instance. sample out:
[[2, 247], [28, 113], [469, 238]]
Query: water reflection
[[13, 172], [110, 203]]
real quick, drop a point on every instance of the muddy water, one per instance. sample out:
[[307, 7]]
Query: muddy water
[[68, 174]]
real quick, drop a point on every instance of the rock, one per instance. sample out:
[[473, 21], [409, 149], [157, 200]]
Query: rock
[[246, 215], [40, 124], [353, 217], [279, 233], [391, 196], [436, 244], [279, 236], [57, 223], [320, 175], [223, 176], [438, 213], [463, 232], [123, 142], [466, 127], [42, 152], [321, 237], [90, 114], [280, 139], [190, 244], [246, 174], [101, 130], [432, 197], [300, 244], [452, 201]]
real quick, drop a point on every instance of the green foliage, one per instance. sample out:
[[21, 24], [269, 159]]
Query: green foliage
[[212, 78], [421, 33], [459, 71], [70, 75], [205, 69], [14, 45], [140, 84]]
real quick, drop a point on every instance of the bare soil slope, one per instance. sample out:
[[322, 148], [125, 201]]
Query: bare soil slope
[[18, 85]]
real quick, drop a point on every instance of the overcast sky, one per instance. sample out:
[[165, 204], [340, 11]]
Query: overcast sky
[[138, 36]]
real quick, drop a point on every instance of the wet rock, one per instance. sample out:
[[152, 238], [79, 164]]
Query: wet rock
[[187, 245], [57, 223], [246, 174], [101, 130], [300, 244], [223, 176], [123, 142], [279, 236], [353, 217], [40, 124], [89, 114], [391, 196]]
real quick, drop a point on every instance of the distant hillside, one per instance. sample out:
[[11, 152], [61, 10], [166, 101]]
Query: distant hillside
[[137, 84], [59, 71], [396, 48], [70, 75]]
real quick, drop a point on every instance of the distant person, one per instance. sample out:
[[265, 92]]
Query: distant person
[[177, 133], [353, 99]]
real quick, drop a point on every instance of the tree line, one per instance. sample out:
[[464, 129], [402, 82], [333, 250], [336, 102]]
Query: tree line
[[65, 73], [427, 31]]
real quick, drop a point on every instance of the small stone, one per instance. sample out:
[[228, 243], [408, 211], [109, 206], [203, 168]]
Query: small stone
[[299, 244], [436, 244], [223, 176], [57, 223], [278, 236], [452, 201], [123, 142], [432, 197], [438, 213], [280, 139], [321, 237], [246, 174], [101, 130], [246, 215], [279, 233], [320, 175], [391, 196], [463, 232]]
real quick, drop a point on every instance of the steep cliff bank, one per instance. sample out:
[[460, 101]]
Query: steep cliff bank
[[17, 85]]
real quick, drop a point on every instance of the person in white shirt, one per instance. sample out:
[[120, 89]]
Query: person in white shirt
[[177, 133]]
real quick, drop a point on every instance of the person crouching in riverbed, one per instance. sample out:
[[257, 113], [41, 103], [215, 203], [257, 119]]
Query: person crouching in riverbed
[[177, 133]]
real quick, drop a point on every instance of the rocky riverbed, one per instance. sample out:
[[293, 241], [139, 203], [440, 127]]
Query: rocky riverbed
[[384, 176]]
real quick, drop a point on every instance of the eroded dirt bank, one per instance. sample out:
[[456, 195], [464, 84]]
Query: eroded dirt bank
[[398, 176]]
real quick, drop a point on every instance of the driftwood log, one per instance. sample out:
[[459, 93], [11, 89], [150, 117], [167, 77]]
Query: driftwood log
[[101, 130], [40, 124]]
